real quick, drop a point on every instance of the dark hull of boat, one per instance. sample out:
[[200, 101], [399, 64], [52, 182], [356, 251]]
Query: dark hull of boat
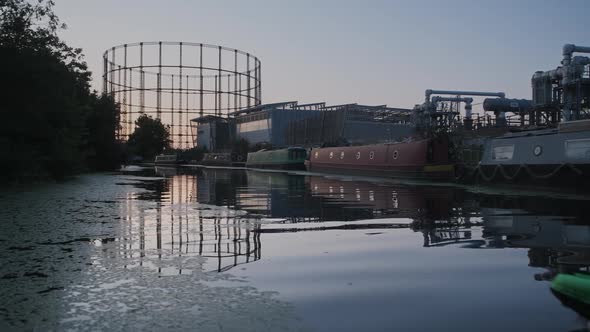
[[286, 166], [433, 172], [167, 164], [564, 175], [216, 163]]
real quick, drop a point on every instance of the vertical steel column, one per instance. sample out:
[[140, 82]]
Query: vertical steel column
[[192, 136], [172, 111], [105, 72], [118, 84], [219, 93], [215, 97], [123, 121], [187, 125], [259, 82], [130, 113], [111, 72], [180, 120], [201, 80], [240, 91], [119, 90], [142, 87], [141, 81], [159, 84], [255, 81], [235, 80], [248, 77], [228, 94]]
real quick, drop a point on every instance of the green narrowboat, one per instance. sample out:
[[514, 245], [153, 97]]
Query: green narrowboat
[[290, 158]]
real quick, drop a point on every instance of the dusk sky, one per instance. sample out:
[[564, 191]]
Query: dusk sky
[[370, 52]]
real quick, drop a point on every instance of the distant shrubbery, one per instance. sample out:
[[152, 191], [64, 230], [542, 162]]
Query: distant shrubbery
[[52, 124]]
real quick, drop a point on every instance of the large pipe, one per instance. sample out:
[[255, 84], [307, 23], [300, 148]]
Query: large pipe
[[501, 105], [569, 49], [453, 99], [430, 92]]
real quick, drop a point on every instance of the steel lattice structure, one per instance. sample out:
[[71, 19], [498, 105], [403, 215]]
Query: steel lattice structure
[[178, 81]]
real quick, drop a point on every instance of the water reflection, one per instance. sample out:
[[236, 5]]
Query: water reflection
[[445, 216], [175, 227], [553, 231], [148, 245]]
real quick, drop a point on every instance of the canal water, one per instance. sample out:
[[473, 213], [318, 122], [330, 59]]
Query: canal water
[[234, 250]]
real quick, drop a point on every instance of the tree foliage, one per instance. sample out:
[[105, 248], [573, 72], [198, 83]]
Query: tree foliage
[[104, 151], [49, 116], [150, 137]]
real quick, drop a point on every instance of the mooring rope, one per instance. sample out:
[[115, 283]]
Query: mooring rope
[[483, 174], [479, 170], [508, 177]]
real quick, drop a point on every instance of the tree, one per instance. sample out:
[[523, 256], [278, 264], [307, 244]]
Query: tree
[[104, 151], [150, 137], [46, 87], [49, 116]]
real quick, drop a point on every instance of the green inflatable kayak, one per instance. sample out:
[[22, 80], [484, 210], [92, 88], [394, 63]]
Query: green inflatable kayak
[[573, 290]]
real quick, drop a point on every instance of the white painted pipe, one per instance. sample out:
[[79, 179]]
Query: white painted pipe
[[430, 92], [569, 49]]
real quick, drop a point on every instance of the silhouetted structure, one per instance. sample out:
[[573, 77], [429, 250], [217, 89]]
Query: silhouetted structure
[[177, 81]]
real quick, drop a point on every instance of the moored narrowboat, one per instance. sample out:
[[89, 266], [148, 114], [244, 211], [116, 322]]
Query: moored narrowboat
[[292, 158], [166, 160], [548, 156], [423, 158]]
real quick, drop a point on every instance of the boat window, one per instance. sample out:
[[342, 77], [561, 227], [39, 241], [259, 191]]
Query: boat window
[[342, 155], [577, 148], [316, 155], [358, 155], [331, 155], [371, 154], [395, 154], [503, 152]]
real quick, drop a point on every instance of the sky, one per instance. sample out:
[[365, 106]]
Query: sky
[[368, 52]]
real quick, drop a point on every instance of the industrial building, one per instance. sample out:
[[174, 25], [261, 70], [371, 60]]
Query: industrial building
[[290, 123], [213, 133]]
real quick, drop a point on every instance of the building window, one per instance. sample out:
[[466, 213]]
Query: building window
[[254, 125]]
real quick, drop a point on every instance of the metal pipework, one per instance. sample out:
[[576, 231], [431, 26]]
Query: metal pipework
[[567, 77], [453, 99], [569, 49], [430, 92], [468, 101], [502, 105]]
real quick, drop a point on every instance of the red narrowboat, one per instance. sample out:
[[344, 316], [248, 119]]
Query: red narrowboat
[[423, 158]]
